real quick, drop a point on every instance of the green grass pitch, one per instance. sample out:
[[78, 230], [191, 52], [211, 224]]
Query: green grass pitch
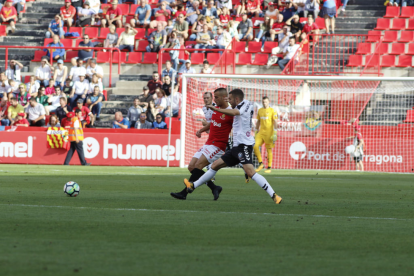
[[124, 222]]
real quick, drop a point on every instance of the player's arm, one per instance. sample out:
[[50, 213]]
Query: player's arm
[[258, 124], [230, 112], [203, 129]]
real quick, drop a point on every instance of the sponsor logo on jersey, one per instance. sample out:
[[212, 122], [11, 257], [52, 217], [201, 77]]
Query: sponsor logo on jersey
[[223, 117], [264, 118], [248, 134], [215, 123], [240, 155]]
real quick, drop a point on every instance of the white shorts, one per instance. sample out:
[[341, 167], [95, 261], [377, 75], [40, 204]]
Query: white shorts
[[212, 153]]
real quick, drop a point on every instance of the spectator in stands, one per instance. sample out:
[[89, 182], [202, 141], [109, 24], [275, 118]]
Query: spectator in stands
[[161, 16], [142, 123], [61, 72], [3, 112], [67, 89], [95, 5], [142, 15], [14, 109], [206, 68], [127, 39], [9, 14], [186, 68], [50, 90], [168, 71], [221, 40], [94, 101], [203, 39], [76, 3], [111, 38], [181, 26], [54, 101], [272, 12], [32, 86], [289, 10], [4, 86], [154, 83], [283, 39], [113, 16], [197, 28], [20, 120], [174, 42], [265, 27], [312, 7], [245, 29], [288, 53], [19, 6], [68, 13], [85, 15], [87, 117], [53, 121], [134, 112], [14, 86], [173, 103], [192, 14], [253, 8], [145, 98], [35, 113], [63, 109], [77, 70], [223, 8], [79, 90], [56, 53], [181, 10], [329, 13], [210, 10], [23, 97], [95, 83], [13, 70], [159, 122], [160, 101], [310, 27], [56, 28], [42, 98], [120, 121], [167, 85], [43, 72], [169, 27], [241, 8], [295, 26], [94, 68], [87, 53], [157, 39], [151, 111]]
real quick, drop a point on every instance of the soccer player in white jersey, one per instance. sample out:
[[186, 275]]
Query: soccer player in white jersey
[[243, 142], [208, 100], [219, 127]]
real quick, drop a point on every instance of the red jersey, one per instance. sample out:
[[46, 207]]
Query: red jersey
[[307, 29], [224, 19], [22, 122], [85, 113], [162, 17], [252, 5], [114, 12], [278, 26], [220, 128], [67, 13], [178, 13], [8, 11]]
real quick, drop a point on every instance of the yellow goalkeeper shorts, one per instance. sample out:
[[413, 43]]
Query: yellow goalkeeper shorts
[[266, 138]]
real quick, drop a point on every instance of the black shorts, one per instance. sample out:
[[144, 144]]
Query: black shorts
[[8, 21], [242, 154], [358, 158]]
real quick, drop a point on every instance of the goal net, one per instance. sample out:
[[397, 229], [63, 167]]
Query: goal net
[[318, 118]]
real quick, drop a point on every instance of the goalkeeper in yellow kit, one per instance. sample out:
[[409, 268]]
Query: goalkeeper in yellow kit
[[265, 133]]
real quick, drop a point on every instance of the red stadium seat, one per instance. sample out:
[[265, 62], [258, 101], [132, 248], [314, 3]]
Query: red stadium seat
[[238, 19], [407, 12], [124, 8], [132, 9], [355, 61], [70, 55], [254, 19], [410, 49], [405, 61], [229, 59], [390, 36], [321, 23], [392, 12], [410, 117], [397, 49], [254, 47], [38, 56], [212, 58], [372, 60], [383, 24], [92, 32], [363, 48], [239, 46], [116, 55], [260, 59], [105, 93], [269, 45], [190, 43], [245, 59], [103, 32], [119, 31], [103, 57], [67, 43], [388, 61], [140, 33], [197, 58], [382, 49], [47, 41], [165, 57], [150, 58], [134, 58], [149, 31], [398, 24], [26, 79], [373, 36], [406, 36], [3, 30], [142, 44], [128, 18], [75, 30]]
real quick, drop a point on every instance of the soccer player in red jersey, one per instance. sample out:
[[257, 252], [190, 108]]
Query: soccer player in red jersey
[[219, 127]]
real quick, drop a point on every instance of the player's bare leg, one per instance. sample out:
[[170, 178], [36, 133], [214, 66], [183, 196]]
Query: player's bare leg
[[217, 165]]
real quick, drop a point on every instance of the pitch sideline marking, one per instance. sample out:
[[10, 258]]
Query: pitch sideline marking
[[189, 211]]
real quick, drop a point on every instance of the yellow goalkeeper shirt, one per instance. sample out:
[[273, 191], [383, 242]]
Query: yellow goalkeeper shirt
[[266, 117]]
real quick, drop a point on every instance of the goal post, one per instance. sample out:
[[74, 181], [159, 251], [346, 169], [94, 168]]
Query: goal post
[[318, 118]]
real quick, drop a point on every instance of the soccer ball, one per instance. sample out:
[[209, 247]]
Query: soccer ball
[[71, 189]]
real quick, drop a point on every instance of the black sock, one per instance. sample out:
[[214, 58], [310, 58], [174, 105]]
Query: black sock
[[211, 185], [246, 176], [268, 168]]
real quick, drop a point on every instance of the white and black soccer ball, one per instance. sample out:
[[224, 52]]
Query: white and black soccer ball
[[71, 189]]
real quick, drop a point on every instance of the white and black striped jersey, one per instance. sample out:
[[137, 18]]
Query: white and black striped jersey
[[242, 124], [208, 113]]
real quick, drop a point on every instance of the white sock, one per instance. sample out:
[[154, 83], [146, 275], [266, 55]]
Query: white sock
[[206, 177], [261, 181]]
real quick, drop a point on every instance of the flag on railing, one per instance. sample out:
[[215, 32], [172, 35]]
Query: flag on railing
[[57, 138]]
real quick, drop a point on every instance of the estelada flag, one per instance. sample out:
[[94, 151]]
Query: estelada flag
[[57, 138]]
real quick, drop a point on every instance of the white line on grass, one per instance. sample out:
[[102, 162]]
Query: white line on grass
[[192, 211]]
